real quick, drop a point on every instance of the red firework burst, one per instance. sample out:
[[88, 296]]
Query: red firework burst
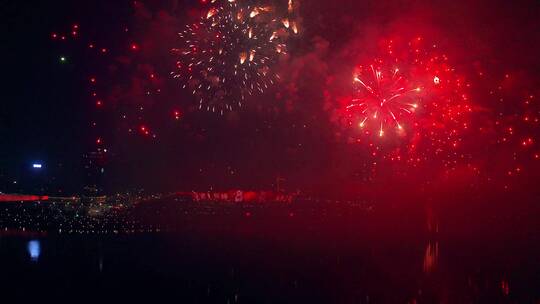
[[382, 98], [410, 88]]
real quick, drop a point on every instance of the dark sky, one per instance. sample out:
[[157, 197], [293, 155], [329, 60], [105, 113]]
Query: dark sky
[[46, 110]]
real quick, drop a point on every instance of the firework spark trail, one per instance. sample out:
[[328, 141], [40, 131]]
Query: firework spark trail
[[230, 54]]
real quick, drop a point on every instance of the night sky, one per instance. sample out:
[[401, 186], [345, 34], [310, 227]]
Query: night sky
[[295, 130]]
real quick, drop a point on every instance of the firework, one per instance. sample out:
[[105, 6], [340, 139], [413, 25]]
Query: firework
[[409, 104], [383, 97], [231, 53]]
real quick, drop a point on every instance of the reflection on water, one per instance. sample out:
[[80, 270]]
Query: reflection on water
[[431, 257], [305, 258], [100, 263], [505, 287], [34, 250]]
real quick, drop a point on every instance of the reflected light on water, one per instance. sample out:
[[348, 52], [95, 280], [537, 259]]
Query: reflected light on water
[[431, 257], [505, 287], [34, 250]]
